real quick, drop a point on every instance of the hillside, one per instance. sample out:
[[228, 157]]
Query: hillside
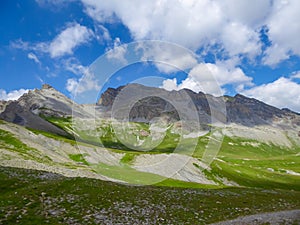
[[263, 154], [37, 197], [256, 151]]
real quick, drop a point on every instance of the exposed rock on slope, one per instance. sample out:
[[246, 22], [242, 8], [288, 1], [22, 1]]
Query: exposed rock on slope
[[53, 155], [2, 105], [29, 108], [239, 109]]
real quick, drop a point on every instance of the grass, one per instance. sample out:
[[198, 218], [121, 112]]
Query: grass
[[78, 158], [127, 174], [53, 136], [29, 198], [128, 158], [36, 197], [9, 142], [264, 165]]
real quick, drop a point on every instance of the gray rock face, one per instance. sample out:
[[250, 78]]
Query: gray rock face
[[2, 105], [239, 109], [29, 108]]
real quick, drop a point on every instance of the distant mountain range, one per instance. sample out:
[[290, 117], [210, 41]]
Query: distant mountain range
[[30, 108], [239, 109]]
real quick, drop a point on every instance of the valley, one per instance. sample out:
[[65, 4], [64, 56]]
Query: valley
[[60, 159]]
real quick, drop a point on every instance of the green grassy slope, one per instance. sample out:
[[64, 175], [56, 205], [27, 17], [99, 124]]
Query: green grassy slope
[[242, 161]]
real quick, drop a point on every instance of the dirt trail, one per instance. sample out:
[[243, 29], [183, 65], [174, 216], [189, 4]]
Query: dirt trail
[[274, 218]]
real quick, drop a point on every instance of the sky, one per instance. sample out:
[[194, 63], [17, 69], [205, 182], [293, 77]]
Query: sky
[[248, 48]]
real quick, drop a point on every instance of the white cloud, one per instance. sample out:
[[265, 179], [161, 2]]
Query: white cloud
[[27, 46], [211, 78], [118, 52], [102, 33], [170, 84], [274, 55], [40, 79], [282, 93], [284, 30], [12, 95], [240, 39], [185, 22], [74, 66], [32, 56], [64, 43], [72, 85], [232, 24], [73, 36], [193, 23], [251, 15], [168, 58], [295, 75], [88, 82]]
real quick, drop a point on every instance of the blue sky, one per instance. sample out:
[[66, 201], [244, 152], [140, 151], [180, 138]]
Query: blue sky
[[250, 49]]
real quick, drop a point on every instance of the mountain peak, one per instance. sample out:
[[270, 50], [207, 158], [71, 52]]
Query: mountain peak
[[47, 86], [239, 109]]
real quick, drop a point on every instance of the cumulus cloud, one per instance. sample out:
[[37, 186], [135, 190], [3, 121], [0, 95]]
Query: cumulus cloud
[[295, 75], [240, 39], [252, 15], [211, 78], [12, 95], [282, 93], [88, 82], [64, 43], [186, 22], [168, 58], [192, 24], [284, 29], [170, 84], [232, 24], [73, 36], [118, 52]]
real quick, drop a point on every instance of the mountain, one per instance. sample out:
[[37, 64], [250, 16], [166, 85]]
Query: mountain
[[2, 105], [239, 109], [31, 107], [256, 140]]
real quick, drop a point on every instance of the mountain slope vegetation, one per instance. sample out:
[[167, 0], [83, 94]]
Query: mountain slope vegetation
[[53, 152]]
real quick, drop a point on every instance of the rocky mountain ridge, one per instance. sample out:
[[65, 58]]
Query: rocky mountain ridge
[[31, 107], [155, 154], [239, 109]]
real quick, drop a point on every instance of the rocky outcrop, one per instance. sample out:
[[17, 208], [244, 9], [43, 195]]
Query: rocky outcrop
[[239, 109], [107, 98], [2, 105], [249, 111], [29, 109], [148, 103]]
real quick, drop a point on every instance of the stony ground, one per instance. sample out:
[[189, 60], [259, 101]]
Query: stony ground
[[36, 197]]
